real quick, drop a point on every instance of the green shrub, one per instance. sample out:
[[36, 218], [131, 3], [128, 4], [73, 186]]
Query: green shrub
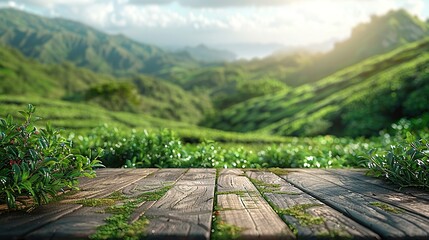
[[405, 164], [37, 163], [134, 149], [165, 149]]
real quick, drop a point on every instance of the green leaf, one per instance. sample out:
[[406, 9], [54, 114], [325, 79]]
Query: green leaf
[[34, 154], [43, 143], [24, 114], [16, 172], [31, 108], [410, 138], [11, 203]]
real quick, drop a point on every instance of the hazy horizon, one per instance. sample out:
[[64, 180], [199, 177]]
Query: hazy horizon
[[249, 28]]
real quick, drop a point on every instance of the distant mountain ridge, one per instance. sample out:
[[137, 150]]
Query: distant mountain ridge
[[56, 40], [207, 54], [381, 35]]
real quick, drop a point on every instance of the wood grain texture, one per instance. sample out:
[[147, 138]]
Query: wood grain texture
[[185, 212], [283, 195], [64, 219], [241, 205], [101, 174], [155, 181], [360, 175], [402, 225], [106, 184], [342, 197], [70, 226], [78, 224], [398, 199], [15, 225]]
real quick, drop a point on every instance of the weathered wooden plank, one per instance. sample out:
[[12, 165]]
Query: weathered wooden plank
[[101, 174], [156, 180], [71, 226], [18, 224], [84, 182], [76, 225], [234, 180], [360, 175], [185, 212], [26, 223], [105, 185], [362, 208], [398, 199], [241, 205], [317, 219], [15, 225]]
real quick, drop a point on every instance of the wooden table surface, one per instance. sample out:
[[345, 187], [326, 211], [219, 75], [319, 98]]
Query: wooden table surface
[[259, 204]]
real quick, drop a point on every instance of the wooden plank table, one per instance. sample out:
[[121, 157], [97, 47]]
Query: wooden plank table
[[229, 203]]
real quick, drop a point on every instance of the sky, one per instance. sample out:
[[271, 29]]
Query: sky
[[222, 22]]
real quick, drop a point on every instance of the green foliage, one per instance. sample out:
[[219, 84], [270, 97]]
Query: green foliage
[[165, 149], [37, 163], [114, 96], [134, 149], [224, 231], [405, 163]]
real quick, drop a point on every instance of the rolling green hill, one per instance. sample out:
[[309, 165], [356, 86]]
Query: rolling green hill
[[357, 101], [381, 35], [227, 84], [81, 118], [359, 97], [24, 77], [57, 40]]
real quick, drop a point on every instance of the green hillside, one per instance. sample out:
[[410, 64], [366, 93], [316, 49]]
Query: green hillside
[[381, 35], [264, 95], [227, 84], [21, 76], [359, 100], [57, 40], [81, 118]]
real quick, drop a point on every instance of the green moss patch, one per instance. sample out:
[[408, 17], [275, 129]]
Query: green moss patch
[[386, 207], [119, 226], [300, 213], [224, 231], [264, 187]]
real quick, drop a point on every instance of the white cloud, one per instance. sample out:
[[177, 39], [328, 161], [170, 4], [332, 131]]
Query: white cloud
[[190, 22]]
